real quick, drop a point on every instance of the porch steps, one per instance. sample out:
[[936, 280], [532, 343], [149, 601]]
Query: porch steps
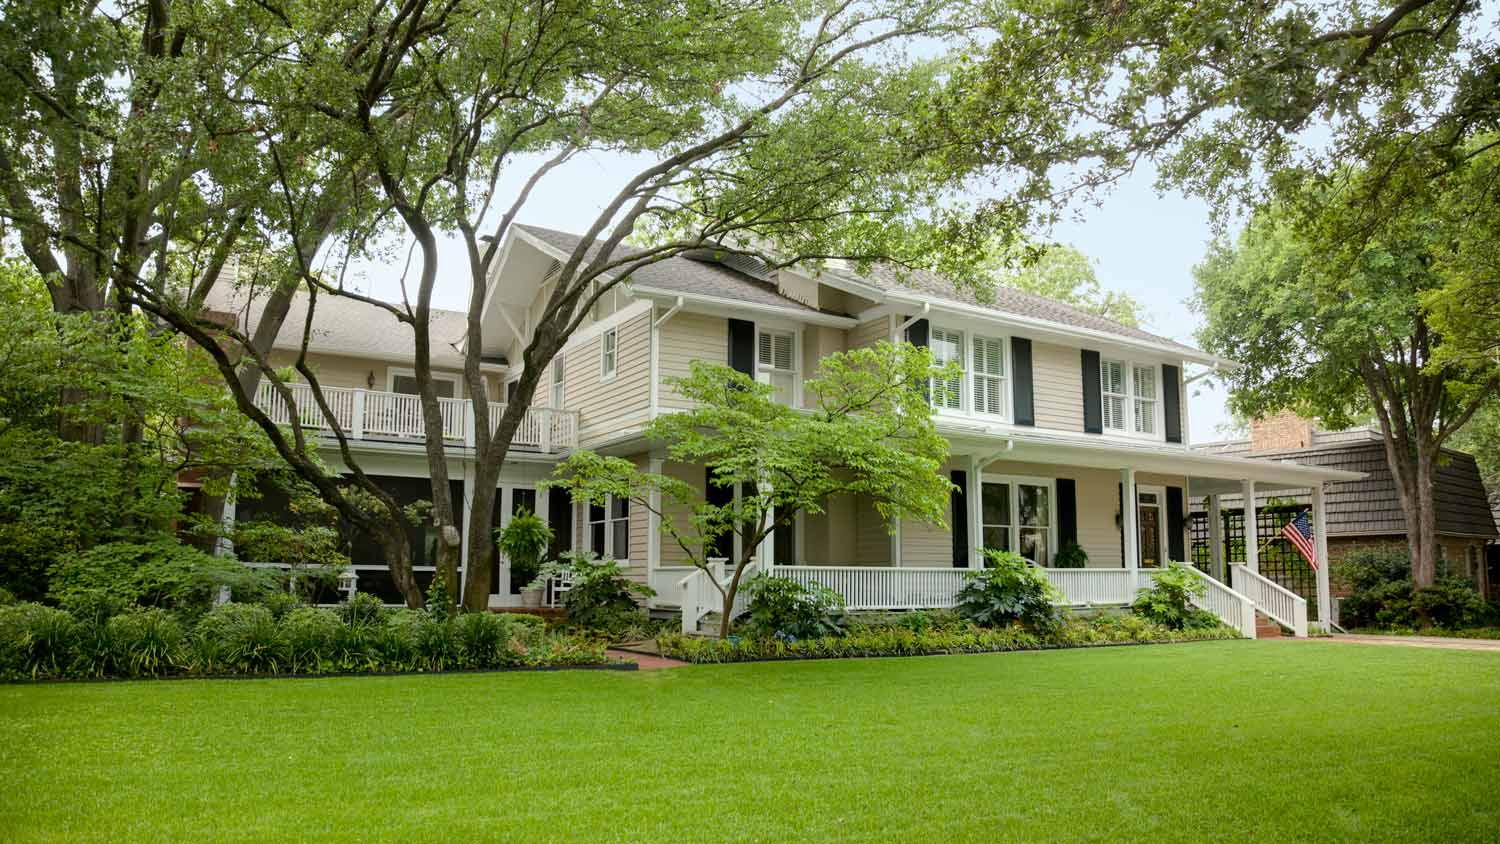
[[708, 625], [1266, 627]]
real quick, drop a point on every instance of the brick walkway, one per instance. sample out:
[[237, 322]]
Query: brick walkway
[[1412, 642], [647, 662]]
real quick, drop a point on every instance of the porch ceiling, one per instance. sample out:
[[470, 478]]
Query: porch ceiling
[[1207, 473]]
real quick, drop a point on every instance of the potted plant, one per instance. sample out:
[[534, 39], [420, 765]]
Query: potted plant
[[1071, 556], [523, 541]]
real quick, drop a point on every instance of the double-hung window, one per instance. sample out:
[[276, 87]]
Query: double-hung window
[[609, 352], [609, 528], [776, 363], [989, 376], [1129, 397], [557, 382], [1016, 515], [947, 347]]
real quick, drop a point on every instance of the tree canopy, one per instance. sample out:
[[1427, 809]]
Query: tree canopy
[[1062, 272]]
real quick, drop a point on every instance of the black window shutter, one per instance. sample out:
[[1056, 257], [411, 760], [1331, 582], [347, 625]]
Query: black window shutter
[[958, 499], [1093, 400], [1171, 404], [1067, 512], [1121, 488], [718, 496], [742, 346], [916, 333], [1175, 550], [1020, 362]]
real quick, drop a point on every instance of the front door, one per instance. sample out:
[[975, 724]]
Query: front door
[[1149, 516]]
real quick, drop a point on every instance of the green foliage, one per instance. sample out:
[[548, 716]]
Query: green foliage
[[1063, 273], [780, 607], [1071, 556], [1382, 595], [146, 643], [239, 638], [1169, 599], [36, 641], [602, 598], [160, 573], [1450, 603], [863, 639], [524, 541], [1008, 591]]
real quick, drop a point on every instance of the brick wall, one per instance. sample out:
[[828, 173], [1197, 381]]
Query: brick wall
[[1285, 430]]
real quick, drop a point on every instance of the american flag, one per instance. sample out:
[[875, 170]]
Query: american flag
[[1299, 532]]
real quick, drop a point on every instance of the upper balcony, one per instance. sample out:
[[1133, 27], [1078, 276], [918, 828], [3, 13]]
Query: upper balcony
[[374, 415]]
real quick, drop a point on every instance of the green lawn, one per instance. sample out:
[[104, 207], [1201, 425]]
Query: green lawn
[[1271, 741]]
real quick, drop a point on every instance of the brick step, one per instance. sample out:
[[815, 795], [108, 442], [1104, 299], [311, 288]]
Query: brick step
[[1266, 627]]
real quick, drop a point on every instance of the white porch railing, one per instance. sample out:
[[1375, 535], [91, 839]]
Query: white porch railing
[[1093, 587], [882, 587], [1286, 607], [700, 597], [1232, 608], [373, 414], [667, 581]]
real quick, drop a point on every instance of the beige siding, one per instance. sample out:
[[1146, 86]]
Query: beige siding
[[1057, 386], [870, 333], [607, 406], [924, 545], [685, 338], [872, 538], [680, 515], [818, 342]]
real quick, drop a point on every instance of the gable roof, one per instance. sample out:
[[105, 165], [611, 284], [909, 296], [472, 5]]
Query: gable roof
[[680, 274], [1371, 506], [344, 326], [695, 276]]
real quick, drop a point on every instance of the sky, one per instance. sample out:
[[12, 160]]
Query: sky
[[1143, 243]]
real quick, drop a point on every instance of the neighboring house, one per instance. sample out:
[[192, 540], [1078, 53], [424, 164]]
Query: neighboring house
[[1366, 512], [1059, 418]]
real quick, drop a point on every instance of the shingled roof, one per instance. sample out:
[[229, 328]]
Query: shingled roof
[[1371, 506], [712, 278]]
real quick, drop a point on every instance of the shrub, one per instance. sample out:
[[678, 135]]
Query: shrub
[[1071, 556], [395, 642], [1450, 603], [918, 621], [363, 608], [483, 640], [780, 606], [1008, 591], [1169, 600], [239, 638], [36, 641], [310, 634], [523, 541], [437, 646], [146, 643], [602, 598], [156, 573]]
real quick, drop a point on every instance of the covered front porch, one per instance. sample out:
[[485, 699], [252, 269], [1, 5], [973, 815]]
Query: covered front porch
[[1047, 498]]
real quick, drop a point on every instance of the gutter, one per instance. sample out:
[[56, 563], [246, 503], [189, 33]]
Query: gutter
[[796, 314]]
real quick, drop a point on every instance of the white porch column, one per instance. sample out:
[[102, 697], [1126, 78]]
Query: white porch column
[[463, 539], [502, 584], [654, 465], [1216, 540], [973, 498], [1252, 537], [1131, 533], [766, 553], [224, 546], [1320, 549]]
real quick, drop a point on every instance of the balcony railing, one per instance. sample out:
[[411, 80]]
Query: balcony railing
[[377, 415]]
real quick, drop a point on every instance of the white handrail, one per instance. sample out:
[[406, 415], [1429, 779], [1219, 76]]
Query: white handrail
[[1232, 608], [883, 587], [1281, 604], [364, 414], [700, 596]]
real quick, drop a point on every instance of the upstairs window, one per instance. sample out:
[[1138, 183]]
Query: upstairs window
[[947, 347], [557, 382], [609, 351], [776, 363], [1130, 397], [989, 376]]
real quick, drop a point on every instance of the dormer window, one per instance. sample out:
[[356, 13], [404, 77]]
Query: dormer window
[[776, 363]]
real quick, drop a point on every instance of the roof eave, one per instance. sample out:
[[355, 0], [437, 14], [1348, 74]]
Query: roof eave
[[722, 302]]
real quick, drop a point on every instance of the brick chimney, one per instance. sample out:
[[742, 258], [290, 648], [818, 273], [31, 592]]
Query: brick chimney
[[1285, 430]]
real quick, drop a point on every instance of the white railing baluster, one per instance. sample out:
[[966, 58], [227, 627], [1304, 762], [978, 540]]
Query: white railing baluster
[[1281, 604]]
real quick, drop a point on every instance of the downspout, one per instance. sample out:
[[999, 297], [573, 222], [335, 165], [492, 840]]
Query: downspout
[[901, 329]]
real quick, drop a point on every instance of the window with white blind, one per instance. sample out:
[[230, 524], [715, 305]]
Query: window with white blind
[[609, 351], [776, 363], [947, 347], [990, 391], [1130, 397], [557, 381]]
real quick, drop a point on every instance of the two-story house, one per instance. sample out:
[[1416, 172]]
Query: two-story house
[[1064, 426]]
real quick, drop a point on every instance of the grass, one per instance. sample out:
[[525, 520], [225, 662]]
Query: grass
[[1245, 741]]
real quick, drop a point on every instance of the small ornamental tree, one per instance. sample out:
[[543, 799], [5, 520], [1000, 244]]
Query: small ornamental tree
[[869, 432]]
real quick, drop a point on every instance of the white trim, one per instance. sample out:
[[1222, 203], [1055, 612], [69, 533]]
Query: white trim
[[1163, 552], [722, 306], [597, 327], [391, 372], [1014, 482], [609, 354], [1130, 398]]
